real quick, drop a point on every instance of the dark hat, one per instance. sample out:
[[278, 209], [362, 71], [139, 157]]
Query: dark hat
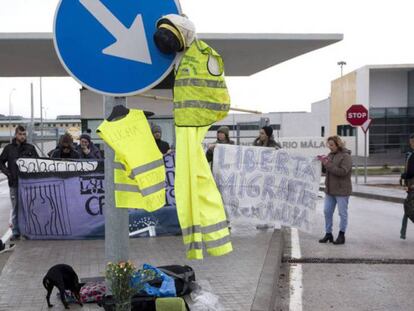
[[224, 129], [156, 129], [168, 38], [268, 130], [85, 136]]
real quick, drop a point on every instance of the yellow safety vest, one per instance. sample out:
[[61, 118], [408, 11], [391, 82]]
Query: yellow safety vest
[[200, 96], [139, 173]]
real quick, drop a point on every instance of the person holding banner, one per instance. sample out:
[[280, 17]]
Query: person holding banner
[[223, 137], [407, 179], [163, 146], [266, 138], [338, 187], [86, 148], [18, 148], [65, 149]]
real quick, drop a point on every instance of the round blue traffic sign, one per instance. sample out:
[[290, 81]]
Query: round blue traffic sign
[[108, 46]]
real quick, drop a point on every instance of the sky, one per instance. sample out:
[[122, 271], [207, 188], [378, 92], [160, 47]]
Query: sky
[[375, 32]]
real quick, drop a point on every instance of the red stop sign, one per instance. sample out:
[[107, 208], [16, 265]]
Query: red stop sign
[[356, 115]]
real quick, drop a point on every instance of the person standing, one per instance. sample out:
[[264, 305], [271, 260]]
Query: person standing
[[65, 149], [163, 146], [338, 187], [407, 179], [223, 137], [86, 148], [266, 138], [18, 148]]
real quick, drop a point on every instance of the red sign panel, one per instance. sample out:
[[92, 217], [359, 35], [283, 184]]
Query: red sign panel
[[356, 115]]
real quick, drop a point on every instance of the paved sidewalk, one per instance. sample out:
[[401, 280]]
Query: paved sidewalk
[[234, 278]]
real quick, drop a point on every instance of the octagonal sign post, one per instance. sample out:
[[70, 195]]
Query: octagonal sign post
[[357, 115]]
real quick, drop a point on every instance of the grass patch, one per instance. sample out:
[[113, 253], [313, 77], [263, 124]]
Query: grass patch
[[377, 171]]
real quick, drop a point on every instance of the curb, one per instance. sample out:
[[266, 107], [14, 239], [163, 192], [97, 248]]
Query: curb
[[374, 196], [265, 296], [378, 197]]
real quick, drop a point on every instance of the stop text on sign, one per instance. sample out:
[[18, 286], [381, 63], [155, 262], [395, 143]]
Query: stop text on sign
[[357, 115]]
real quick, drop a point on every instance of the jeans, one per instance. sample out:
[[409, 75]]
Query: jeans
[[329, 209], [14, 212]]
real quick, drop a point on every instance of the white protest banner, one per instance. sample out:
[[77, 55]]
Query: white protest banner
[[260, 184], [44, 165]]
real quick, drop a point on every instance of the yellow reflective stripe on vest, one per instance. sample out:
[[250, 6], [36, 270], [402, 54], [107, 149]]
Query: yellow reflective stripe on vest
[[146, 167], [205, 230], [217, 243], [215, 227], [118, 166], [201, 104], [144, 192], [201, 82], [153, 189], [191, 230], [125, 187], [194, 245]]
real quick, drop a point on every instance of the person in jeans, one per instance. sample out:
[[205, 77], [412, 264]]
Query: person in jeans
[[338, 187], [18, 148], [407, 179]]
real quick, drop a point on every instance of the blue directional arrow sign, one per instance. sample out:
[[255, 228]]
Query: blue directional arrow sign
[[108, 46]]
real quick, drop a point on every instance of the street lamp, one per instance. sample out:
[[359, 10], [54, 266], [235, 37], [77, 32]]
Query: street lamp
[[10, 113], [341, 63]]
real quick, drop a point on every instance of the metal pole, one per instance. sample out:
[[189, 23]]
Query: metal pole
[[41, 116], [356, 158], [116, 219], [31, 114], [234, 127], [10, 113], [365, 156]]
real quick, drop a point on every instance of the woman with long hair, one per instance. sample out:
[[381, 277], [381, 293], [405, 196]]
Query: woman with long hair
[[338, 187]]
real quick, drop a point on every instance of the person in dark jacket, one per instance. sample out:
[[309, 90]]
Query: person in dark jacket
[[338, 187], [407, 179], [19, 148], [86, 149], [223, 137], [266, 138], [163, 146], [65, 149]]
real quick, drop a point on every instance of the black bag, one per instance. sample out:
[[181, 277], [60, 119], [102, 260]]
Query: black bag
[[409, 206], [183, 277]]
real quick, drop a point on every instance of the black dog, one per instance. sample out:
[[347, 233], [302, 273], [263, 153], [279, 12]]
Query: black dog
[[64, 278]]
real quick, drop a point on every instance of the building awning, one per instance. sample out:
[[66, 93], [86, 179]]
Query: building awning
[[33, 54]]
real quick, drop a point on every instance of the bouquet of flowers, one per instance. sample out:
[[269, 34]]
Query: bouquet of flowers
[[119, 276]]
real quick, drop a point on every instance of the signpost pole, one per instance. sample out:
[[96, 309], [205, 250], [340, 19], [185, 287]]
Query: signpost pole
[[116, 219], [365, 156], [356, 156]]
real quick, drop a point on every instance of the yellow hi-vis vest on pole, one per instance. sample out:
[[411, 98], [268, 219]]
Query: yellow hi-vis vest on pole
[[200, 92], [200, 207], [139, 166]]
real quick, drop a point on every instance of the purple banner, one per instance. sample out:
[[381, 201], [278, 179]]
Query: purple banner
[[70, 205]]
